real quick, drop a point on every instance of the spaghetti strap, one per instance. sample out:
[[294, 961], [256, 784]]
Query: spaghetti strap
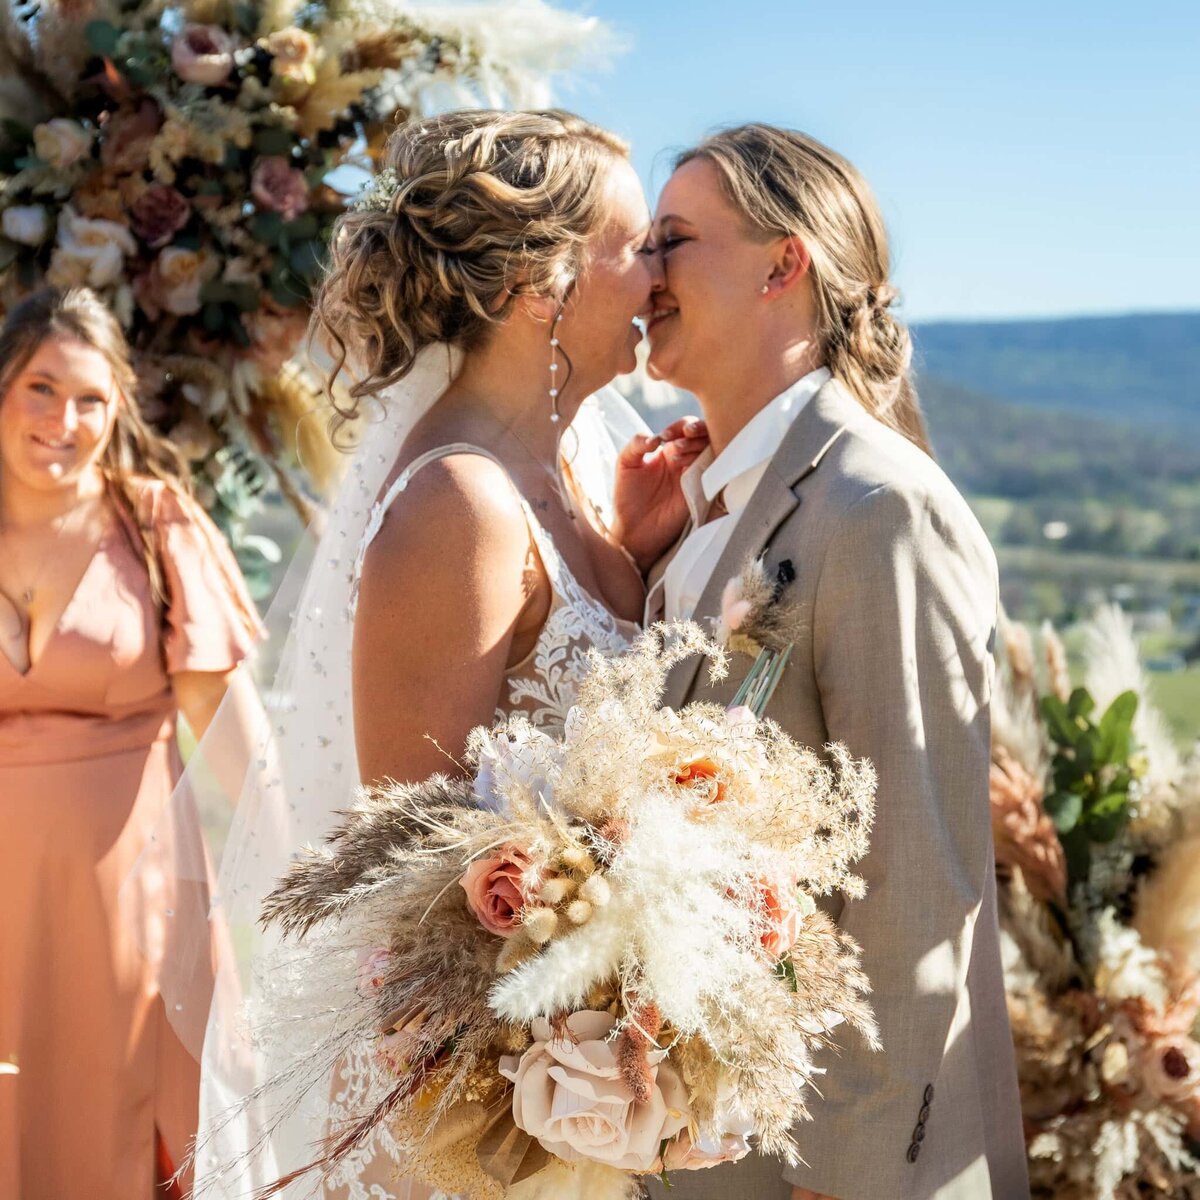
[[380, 509]]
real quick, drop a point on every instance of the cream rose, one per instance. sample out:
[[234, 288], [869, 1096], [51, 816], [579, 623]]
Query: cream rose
[[1171, 1068], [293, 61], [28, 224], [61, 142], [181, 275], [101, 246], [569, 1095]]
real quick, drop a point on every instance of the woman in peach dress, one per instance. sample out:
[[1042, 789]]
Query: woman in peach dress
[[120, 607]]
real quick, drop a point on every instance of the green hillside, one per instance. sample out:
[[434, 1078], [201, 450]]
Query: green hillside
[[1142, 369]]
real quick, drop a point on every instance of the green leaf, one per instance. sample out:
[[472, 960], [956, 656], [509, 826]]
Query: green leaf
[[1062, 729], [1064, 809], [213, 317], [102, 38], [246, 17], [1107, 817], [1116, 727], [1081, 703], [274, 139], [304, 226], [286, 288], [1077, 850], [266, 227], [307, 260], [785, 969], [238, 330]]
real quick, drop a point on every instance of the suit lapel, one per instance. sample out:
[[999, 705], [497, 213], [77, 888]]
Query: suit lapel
[[806, 443]]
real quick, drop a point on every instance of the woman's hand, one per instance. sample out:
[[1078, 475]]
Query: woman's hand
[[649, 503]]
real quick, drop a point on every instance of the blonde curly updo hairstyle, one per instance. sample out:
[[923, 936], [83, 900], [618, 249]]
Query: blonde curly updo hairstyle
[[485, 207], [786, 184]]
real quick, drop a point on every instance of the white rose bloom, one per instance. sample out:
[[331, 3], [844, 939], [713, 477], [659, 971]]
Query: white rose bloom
[[103, 245], [61, 142], [28, 224], [568, 1093]]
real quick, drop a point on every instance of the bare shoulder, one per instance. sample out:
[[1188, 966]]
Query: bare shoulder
[[458, 515]]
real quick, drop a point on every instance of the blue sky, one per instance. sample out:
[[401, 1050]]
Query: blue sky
[[1031, 159]]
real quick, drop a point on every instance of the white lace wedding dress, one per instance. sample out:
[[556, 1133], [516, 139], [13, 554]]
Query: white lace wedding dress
[[542, 687]]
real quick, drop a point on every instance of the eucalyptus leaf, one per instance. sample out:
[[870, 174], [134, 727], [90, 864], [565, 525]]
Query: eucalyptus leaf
[[102, 38], [266, 227], [1064, 809], [1062, 729], [1081, 703]]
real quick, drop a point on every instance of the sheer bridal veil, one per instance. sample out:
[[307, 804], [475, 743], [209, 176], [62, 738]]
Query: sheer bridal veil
[[267, 780]]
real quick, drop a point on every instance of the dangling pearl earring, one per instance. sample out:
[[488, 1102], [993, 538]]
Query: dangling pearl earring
[[554, 415]]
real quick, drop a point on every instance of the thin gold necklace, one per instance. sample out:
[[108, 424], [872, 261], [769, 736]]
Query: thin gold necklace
[[29, 592]]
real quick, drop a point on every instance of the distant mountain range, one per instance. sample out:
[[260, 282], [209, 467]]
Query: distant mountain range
[[1141, 370]]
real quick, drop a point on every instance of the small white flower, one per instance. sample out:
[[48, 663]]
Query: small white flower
[[28, 224]]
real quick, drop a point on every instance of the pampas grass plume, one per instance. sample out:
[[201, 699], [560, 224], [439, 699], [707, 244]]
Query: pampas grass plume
[[1168, 912]]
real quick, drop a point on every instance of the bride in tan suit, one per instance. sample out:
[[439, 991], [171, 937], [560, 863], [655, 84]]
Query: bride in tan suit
[[775, 313]]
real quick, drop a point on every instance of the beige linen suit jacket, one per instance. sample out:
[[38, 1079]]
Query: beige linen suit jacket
[[895, 584]]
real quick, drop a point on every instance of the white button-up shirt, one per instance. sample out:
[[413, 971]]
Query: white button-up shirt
[[736, 472]]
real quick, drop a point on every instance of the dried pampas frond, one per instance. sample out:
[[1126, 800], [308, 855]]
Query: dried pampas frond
[[1114, 665], [1168, 908]]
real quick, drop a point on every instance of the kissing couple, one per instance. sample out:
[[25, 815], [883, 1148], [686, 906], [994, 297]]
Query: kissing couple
[[497, 524]]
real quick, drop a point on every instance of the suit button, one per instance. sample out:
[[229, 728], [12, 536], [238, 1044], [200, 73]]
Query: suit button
[[923, 1115], [929, 1093], [913, 1151], [919, 1132]]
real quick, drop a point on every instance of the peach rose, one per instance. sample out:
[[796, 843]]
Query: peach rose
[[702, 773], [683, 1154], [496, 887], [61, 142], [203, 54], [568, 1094], [782, 916]]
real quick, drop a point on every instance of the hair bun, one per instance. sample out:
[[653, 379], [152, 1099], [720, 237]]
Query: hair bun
[[478, 208]]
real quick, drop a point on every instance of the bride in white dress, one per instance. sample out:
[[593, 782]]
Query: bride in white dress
[[483, 292]]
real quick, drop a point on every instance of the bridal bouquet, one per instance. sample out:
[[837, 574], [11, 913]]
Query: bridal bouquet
[[600, 958], [1097, 829]]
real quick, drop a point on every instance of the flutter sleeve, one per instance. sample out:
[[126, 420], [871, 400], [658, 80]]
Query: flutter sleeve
[[211, 622]]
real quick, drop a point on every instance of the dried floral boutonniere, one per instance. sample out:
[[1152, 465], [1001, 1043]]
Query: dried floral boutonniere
[[755, 621]]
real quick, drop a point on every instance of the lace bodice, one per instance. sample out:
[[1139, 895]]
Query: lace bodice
[[541, 686]]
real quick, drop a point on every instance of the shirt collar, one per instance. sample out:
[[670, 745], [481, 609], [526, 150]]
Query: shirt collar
[[756, 442]]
